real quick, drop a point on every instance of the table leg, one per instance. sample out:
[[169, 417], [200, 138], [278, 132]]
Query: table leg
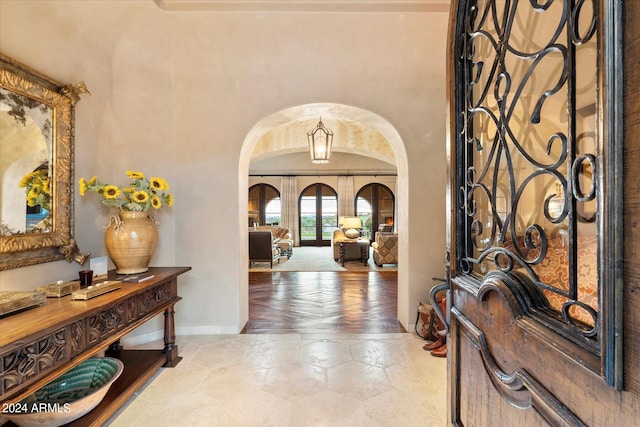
[[341, 253], [170, 347]]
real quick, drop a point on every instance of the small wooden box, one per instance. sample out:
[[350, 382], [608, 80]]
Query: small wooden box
[[11, 301], [98, 289], [59, 289]]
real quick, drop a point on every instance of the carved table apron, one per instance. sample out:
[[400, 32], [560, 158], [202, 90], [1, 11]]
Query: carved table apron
[[39, 344]]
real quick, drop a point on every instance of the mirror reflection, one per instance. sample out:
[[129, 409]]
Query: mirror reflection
[[36, 166], [26, 147]]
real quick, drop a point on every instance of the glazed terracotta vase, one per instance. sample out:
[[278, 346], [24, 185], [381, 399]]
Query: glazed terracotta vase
[[130, 238]]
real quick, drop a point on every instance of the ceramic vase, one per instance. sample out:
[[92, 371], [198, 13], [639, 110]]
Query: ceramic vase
[[131, 238]]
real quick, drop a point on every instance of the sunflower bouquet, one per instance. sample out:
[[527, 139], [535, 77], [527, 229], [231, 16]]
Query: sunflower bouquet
[[37, 187], [139, 195]]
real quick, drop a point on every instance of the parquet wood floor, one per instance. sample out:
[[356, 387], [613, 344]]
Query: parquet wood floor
[[322, 302]]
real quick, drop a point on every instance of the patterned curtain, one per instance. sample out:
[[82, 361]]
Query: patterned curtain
[[346, 196], [289, 206]]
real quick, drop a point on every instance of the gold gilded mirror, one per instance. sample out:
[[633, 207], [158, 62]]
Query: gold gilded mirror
[[36, 167]]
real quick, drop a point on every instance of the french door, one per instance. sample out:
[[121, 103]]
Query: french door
[[318, 207]]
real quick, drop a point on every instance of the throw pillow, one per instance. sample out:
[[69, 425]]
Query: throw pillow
[[352, 233]]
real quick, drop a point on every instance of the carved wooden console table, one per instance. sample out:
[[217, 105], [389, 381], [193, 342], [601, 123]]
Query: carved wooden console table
[[39, 344]]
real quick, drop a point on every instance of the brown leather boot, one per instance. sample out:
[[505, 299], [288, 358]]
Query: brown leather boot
[[440, 351], [442, 303], [436, 344]]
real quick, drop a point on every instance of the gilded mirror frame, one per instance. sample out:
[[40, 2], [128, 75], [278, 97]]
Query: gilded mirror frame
[[23, 249]]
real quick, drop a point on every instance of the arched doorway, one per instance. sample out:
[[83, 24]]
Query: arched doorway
[[391, 149], [318, 207]]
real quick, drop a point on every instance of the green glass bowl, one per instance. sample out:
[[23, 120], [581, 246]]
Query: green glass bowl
[[69, 396]]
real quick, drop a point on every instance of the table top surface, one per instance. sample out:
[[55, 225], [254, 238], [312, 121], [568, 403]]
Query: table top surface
[[57, 311]]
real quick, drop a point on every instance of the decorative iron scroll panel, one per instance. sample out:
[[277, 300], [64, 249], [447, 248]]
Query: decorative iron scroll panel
[[529, 176]]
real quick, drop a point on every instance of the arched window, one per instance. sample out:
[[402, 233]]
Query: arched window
[[264, 205], [375, 205], [318, 207]]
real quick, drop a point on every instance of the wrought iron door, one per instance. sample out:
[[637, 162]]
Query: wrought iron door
[[534, 230]]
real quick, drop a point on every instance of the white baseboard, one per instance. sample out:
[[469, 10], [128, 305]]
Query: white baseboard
[[206, 330], [145, 338]]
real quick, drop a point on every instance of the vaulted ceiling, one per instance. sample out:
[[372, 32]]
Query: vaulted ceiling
[[359, 146]]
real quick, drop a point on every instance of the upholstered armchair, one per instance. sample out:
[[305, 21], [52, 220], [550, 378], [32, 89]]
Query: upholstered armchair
[[262, 248], [385, 248]]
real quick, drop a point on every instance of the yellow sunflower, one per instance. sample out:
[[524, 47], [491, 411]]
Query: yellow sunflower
[[46, 186], [156, 202], [111, 192], [82, 185], [158, 184], [92, 181], [135, 175], [34, 192], [140, 196], [169, 199], [25, 180]]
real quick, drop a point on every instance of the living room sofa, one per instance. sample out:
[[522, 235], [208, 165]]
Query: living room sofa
[[283, 236]]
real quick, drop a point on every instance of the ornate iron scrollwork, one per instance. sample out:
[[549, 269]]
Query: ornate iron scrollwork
[[527, 171]]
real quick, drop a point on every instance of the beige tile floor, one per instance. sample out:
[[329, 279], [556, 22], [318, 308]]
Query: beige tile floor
[[296, 380]]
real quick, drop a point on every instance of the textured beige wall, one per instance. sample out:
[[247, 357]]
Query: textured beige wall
[[176, 94]]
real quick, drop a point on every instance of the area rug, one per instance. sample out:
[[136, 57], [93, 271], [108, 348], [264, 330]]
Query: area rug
[[318, 259]]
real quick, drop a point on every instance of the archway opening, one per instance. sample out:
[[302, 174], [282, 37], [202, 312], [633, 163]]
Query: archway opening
[[367, 133]]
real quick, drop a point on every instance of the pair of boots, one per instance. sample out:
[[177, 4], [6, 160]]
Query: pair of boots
[[438, 348]]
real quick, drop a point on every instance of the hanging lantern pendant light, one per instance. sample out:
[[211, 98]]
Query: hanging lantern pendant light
[[320, 140]]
